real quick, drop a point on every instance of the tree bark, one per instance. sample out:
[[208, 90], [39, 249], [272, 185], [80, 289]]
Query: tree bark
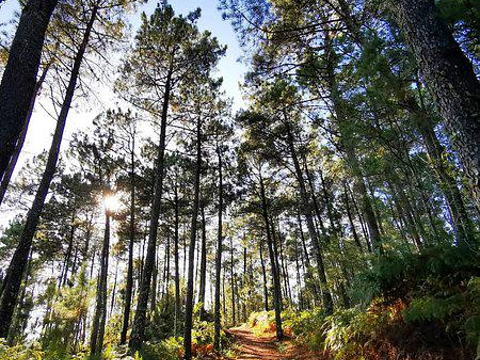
[[7, 176], [17, 88], [17, 265], [449, 77]]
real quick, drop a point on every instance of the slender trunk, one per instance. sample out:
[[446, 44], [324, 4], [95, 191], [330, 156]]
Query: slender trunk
[[406, 210], [191, 252], [277, 294], [314, 200], [100, 316], [264, 275], [301, 305], [224, 296], [140, 319], [284, 271], [114, 290], [17, 266], [153, 291], [20, 75], [177, 264], [64, 275], [378, 217], [167, 267], [365, 201], [460, 219], [326, 295], [185, 251], [330, 210], [218, 260], [302, 237], [346, 140], [232, 283], [350, 218], [275, 252], [129, 285], [203, 266], [309, 278], [361, 220], [244, 277]]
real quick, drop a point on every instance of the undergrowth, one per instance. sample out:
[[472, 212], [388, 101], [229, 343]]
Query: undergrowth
[[409, 306]]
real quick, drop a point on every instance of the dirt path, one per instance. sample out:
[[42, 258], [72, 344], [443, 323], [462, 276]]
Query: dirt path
[[255, 348], [252, 347]]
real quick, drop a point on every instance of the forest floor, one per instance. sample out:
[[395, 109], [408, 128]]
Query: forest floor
[[252, 347]]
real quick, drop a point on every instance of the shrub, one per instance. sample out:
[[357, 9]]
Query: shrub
[[19, 352], [169, 349], [305, 326], [401, 275]]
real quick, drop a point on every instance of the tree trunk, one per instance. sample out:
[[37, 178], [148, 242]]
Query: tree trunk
[[232, 283], [350, 218], [218, 260], [17, 88], [347, 143], [277, 293], [203, 267], [129, 285], [264, 275], [301, 305], [422, 120], [100, 316], [460, 220], [114, 290], [167, 268], [191, 253], [449, 77], [139, 323], [177, 263], [7, 176], [153, 290], [326, 295], [243, 284], [64, 275], [17, 265]]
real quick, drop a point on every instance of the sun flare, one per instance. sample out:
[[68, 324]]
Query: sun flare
[[112, 202]]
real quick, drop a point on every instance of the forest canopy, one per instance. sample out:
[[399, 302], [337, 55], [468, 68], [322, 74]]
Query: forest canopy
[[316, 198]]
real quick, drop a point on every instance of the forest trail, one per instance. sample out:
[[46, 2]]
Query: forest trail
[[252, 347]]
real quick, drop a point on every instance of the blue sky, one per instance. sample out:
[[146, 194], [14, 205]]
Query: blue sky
[[231, 70]]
